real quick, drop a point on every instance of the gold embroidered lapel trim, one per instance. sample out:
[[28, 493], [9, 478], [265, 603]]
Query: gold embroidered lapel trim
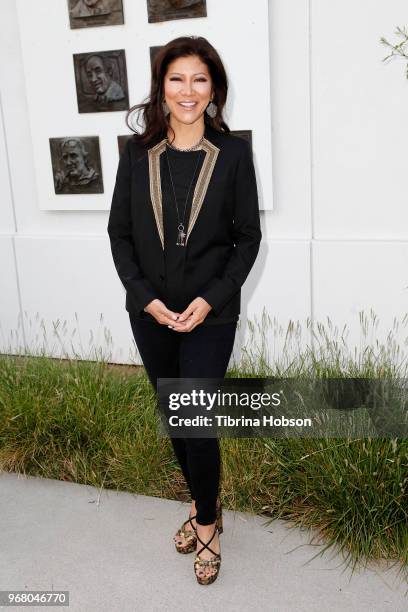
[[200, 190]]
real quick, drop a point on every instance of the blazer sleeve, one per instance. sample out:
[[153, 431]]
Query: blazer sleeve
[[120, 235], [247, 236]]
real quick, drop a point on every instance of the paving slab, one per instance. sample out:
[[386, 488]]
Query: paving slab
[[113, 552]]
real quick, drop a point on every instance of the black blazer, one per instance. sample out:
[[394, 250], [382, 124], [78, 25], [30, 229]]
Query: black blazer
[[223, 233]]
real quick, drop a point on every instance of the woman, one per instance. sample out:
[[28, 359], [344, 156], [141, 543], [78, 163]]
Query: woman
[[185, 231]]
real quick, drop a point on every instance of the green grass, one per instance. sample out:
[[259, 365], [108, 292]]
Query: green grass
[[93, 423]]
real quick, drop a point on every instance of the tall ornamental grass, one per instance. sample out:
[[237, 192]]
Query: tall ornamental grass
[[90, 422]]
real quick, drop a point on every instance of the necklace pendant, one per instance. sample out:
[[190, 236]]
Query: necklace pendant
[[181, 236]]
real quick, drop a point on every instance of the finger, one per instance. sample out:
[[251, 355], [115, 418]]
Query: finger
[[165, 320], [189, 329], [188, 312], [173, 316], [193, 320], [178, 326], [167, 317], [190, 325], [185, 322]]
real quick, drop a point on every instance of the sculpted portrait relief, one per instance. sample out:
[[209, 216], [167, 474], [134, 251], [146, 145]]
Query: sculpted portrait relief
[[101, 81], [76, 165], [165, 10], [89, 13]]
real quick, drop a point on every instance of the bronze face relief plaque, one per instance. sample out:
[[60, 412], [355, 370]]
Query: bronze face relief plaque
[[101, 81], [90, 13], [76, 164], [166, 10]]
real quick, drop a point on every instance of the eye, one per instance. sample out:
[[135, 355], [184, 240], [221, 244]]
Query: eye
[[178, 79]]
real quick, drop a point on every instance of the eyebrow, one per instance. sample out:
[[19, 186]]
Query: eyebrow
[[181, 74]]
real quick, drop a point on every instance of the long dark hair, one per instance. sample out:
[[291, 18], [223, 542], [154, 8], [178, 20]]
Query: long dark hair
[[155, 122]]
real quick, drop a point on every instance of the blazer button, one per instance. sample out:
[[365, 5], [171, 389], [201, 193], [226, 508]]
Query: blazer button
[[161, 277]]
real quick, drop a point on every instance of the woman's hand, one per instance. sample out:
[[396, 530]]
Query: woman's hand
[[193, 315], [161, 313]]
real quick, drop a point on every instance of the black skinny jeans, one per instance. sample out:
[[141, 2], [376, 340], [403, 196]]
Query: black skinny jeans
[[202, 353]]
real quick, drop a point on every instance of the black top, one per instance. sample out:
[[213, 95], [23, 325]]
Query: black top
[[185, 168], [224, 241]]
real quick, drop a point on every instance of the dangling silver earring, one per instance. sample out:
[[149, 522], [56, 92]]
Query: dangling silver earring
[[166, 109], [211, 109]]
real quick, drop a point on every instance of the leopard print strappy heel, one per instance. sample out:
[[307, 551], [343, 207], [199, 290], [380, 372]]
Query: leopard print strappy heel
[[190, 535], [200, 564]]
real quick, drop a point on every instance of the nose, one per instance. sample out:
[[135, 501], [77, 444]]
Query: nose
[[187, 87]]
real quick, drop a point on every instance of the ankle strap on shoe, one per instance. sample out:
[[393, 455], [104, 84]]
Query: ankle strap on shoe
[[189, 520], [206, 545]]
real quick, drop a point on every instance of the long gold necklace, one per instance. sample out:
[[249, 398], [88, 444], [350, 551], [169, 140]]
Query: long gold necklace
[[181, 235]]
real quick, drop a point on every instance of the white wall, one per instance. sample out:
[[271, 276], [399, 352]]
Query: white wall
[[51, 91], [335, 242]]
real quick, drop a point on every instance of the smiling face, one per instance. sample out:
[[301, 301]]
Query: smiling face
[[97, 75], [187, 89]]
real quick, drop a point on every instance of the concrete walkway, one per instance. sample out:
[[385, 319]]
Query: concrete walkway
[[113, 552]]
